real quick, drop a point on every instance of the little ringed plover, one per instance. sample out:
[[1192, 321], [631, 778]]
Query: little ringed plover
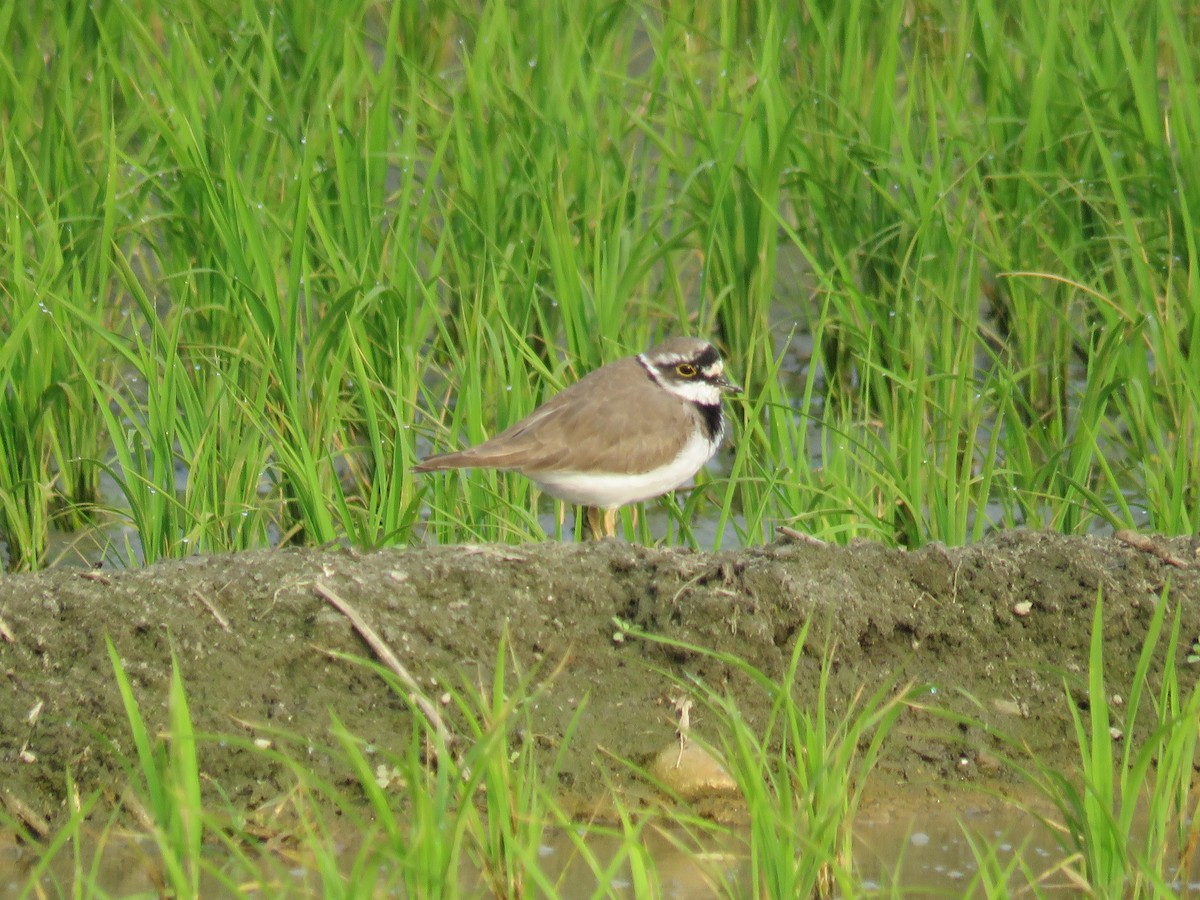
[[629, 431]]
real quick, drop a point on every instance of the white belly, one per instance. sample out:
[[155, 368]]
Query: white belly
[[608, 490]]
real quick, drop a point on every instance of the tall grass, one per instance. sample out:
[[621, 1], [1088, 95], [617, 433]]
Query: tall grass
[[254, 266]]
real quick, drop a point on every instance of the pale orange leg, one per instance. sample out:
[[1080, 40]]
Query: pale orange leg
[[602, 522]]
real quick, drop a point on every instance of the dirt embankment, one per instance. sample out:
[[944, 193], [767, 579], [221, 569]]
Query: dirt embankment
[[1003, 621]]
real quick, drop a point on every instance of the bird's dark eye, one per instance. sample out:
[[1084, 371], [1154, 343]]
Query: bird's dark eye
[[686, 370]]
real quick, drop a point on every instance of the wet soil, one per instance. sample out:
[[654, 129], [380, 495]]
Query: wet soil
[[995, 629]]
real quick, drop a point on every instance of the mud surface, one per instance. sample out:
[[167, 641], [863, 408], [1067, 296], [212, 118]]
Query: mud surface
[[995, 628]]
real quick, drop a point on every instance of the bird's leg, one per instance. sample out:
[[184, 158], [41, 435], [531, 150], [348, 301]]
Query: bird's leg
[[595, 518], [602, 522]]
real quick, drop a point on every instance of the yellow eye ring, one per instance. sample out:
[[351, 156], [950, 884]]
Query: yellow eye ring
[[685, 370]]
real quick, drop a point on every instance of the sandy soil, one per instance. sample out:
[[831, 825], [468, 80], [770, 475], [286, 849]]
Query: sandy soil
[[1003, 622]]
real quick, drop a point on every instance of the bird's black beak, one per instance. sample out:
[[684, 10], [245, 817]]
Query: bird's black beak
[[727, 386]]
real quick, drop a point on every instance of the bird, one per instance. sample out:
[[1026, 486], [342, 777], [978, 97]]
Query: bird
[[629, 431]]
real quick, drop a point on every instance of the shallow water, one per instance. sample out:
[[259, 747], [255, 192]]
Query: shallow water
[[912, 853]]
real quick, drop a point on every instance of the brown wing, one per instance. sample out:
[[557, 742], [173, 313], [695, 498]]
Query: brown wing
[[608, 421]]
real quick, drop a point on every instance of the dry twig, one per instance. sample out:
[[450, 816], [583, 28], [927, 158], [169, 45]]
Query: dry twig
[[1147, 545], [216, 613], [19, 809], [800, 537], [388, 658]]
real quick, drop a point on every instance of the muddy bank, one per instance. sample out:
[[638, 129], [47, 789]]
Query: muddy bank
[[1003, 621]]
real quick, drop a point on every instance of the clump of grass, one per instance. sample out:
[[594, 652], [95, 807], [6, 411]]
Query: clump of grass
[[166, 782], [1156, 768], [1126, 820], [803, 774], [996, 877], [476, 802]]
